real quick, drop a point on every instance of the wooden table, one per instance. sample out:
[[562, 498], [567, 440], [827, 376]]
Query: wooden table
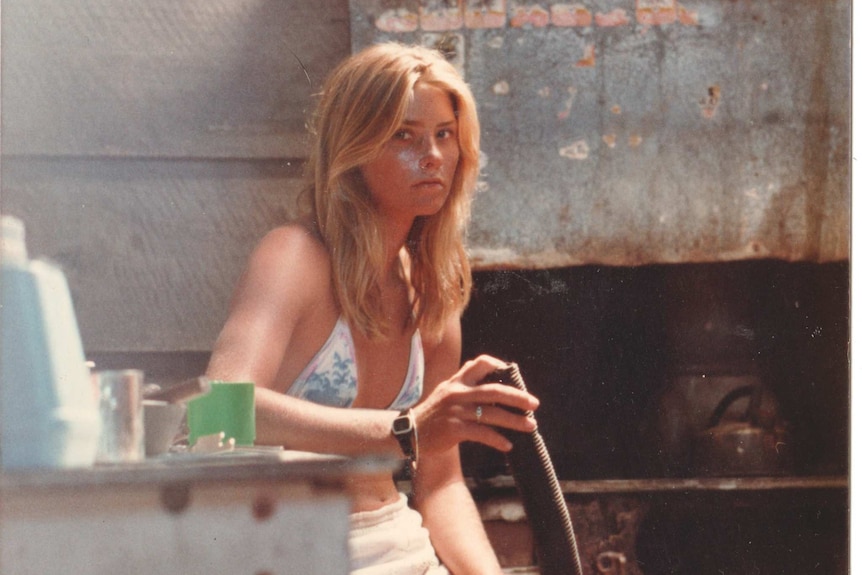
[[247, 512]]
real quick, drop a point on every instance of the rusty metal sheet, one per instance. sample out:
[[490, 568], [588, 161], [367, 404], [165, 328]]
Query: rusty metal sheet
[[627, 132]]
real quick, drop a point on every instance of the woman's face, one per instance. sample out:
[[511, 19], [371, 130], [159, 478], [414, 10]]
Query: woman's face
[[413, 174]]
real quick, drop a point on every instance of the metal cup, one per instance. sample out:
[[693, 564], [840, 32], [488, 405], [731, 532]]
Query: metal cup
[[121, 406]]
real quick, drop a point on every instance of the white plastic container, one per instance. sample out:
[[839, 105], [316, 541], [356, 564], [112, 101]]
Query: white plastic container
[[49, 413]]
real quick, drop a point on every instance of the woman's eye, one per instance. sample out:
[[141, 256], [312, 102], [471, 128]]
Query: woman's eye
[[445, 133], [401, 135]]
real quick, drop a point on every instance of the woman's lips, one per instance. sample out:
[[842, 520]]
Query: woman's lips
[[430, 183]]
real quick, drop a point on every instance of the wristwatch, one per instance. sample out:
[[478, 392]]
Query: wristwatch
[[404, 430]]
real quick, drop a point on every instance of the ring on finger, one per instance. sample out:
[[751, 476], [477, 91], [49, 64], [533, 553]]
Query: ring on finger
[[478, 414]]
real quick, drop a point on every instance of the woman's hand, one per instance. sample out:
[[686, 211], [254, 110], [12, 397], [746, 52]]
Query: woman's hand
[[450, 414]]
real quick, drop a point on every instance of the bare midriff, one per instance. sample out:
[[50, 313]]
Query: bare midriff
[[371, 492]]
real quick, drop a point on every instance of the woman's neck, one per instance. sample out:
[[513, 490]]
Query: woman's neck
[[394, 239]]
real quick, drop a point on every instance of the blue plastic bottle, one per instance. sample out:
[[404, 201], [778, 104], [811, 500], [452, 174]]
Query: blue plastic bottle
[[48, 409]]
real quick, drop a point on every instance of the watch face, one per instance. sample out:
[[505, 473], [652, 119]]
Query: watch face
[[401, 425]]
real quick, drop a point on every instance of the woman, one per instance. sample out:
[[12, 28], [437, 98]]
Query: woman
[[358, 306]]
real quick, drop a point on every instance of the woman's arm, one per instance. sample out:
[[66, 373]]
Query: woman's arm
[[451, 517], [269, 303], [281, 293], [441, 495]]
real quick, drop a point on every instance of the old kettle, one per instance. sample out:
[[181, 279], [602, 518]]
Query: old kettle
[[755, 444]]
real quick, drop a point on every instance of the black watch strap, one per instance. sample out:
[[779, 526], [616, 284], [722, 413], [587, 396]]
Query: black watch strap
[[404, 430]]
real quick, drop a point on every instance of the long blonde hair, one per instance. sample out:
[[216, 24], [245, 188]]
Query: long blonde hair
[[362, 104]]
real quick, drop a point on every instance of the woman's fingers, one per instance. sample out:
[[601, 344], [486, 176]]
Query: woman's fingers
[[481, 423], [489, 436], [494, 416], [475, 370], [495, 393]]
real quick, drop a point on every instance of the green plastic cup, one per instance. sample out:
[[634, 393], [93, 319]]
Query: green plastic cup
[[228, 408]]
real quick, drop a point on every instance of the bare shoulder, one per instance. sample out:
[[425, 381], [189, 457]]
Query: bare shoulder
[[284, 290], [289, 264], [294, 250], [294, 241]]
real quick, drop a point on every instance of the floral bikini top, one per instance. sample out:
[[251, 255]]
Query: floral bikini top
[[330, 377]]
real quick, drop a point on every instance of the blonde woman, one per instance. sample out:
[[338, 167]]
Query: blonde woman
[[349, 319]]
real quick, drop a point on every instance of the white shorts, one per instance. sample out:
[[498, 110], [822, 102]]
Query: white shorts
[[391, 541]]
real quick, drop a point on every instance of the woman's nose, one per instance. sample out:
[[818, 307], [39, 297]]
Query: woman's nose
[[431, 157]]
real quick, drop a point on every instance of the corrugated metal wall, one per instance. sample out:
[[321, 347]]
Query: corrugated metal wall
[[626, 132]]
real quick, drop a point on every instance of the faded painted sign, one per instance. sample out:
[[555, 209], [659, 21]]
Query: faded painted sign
[[642, 131]]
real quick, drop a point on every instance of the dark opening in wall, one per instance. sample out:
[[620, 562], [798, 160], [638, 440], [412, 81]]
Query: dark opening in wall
[[608, 350]]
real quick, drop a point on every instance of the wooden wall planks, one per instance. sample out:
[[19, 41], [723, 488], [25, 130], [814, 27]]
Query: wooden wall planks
[[149, 145], [152, 249], [197, 78]]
